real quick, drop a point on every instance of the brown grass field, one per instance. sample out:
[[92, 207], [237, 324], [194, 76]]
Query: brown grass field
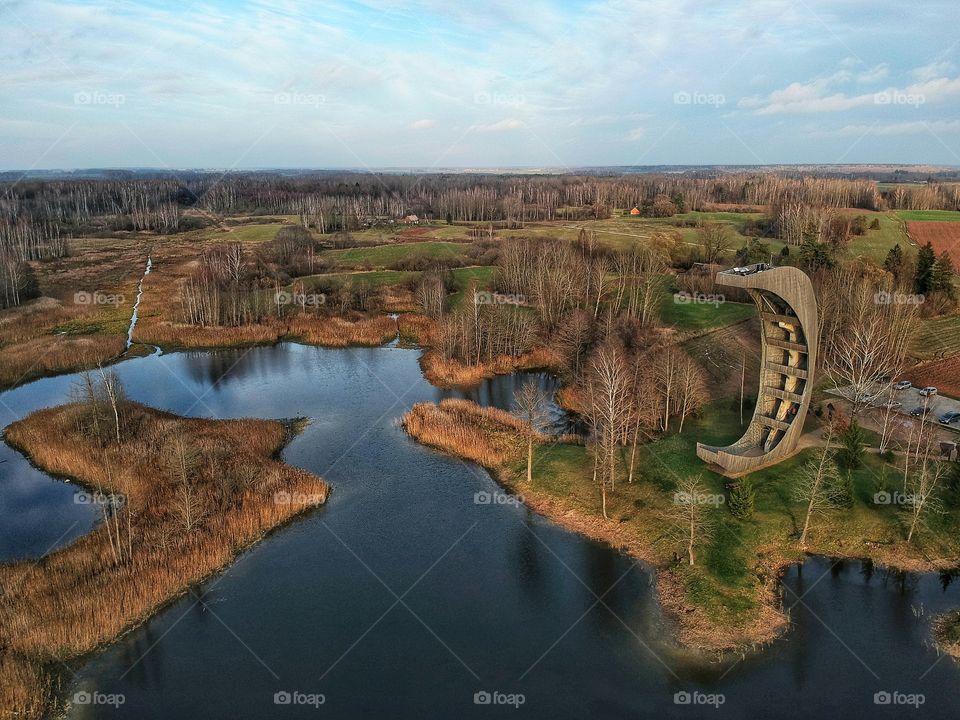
[[944, 236], [81, 597], [447, 373], [942, 374]]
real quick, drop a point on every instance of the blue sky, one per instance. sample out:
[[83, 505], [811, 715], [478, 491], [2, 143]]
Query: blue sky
[[497, 83]]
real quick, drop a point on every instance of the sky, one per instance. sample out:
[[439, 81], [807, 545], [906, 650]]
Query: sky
[[457, 83]]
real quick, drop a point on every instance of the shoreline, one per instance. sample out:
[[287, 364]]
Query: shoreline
[[691, 629], [34, 640]]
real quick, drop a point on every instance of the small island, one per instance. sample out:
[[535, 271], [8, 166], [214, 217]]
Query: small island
[[180, 498]]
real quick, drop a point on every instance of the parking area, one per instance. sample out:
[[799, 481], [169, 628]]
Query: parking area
[[910, 399]]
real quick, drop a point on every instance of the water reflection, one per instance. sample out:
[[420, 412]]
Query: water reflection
[[494, 596]]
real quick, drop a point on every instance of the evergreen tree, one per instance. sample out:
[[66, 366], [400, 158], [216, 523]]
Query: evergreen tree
[[925, 262], [814, 256], [850, 455], [895, 263], [941, 276], [742, 497]]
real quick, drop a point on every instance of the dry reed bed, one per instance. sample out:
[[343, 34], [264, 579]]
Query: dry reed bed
[[323, 330], [78, 598], [493, 438], [49, 355], [448, 373]]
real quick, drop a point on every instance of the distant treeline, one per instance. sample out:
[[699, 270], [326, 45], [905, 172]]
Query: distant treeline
[[38, 217]]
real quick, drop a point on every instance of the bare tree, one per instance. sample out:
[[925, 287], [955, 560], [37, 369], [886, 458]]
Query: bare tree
[[531, 401], [924, 474], [816, 486], [182, 461], [691, 517], [609, 394], [714, 240]]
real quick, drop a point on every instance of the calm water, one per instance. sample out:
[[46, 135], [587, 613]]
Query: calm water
[[402, 598]]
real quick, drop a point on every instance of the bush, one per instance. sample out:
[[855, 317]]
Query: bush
[[852, 439], [742, 497]]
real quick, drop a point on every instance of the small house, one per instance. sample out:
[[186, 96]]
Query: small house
[[410, 219], [635, 211]]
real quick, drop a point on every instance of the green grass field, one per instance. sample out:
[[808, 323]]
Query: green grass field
[[937, 337], [932, 215], [724, 582], [383, 255], [691, 315]]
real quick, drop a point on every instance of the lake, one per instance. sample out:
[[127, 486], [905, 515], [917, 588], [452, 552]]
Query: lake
[[405, 598]]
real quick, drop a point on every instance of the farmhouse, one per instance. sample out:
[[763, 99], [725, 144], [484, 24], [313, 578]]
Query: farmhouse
[[410, 219]]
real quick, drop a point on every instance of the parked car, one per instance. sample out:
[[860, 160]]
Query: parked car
[[951, 416], [894, 405], [928, 391], [902, 385], [920, 411]]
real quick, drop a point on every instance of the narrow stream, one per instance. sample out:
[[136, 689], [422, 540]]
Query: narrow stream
[[136, 304]]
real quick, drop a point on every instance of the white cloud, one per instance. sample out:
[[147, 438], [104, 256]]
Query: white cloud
[[501, 126], [424, 124], [636, 134]]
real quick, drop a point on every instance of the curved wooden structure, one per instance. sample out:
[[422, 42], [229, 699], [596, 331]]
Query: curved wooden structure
[[788, 340]]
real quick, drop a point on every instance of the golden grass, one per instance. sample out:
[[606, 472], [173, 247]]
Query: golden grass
[[448, 373], [333, 331], [78, 598], [417, 329], [50, 355]]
